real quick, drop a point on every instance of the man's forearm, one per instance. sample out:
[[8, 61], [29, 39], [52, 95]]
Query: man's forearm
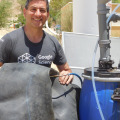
[[1, 64]]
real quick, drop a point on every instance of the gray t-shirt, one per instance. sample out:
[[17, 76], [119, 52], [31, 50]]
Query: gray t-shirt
[[16, 47]]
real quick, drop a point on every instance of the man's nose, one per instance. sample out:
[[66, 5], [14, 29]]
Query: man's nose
[[38, 13]]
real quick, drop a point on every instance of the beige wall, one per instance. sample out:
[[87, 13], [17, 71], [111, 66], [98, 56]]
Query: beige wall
[[67, 17], [115, 27], [67, 14]]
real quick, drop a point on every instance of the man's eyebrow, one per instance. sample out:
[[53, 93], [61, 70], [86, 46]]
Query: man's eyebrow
[[33, 7], [38, 7]]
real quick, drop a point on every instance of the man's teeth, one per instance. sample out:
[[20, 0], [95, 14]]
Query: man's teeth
[[38, 19]]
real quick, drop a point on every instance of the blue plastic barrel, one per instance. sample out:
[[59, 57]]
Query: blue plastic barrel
[[88, 109]]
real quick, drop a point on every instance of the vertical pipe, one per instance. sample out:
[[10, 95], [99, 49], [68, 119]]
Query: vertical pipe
[[104, 42]]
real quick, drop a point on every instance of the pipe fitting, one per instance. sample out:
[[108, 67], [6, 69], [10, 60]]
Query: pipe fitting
[[102, 9], [103, 1], [115, 17], [103, 42]]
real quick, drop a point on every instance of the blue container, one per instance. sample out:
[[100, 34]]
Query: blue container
[[88, 109]]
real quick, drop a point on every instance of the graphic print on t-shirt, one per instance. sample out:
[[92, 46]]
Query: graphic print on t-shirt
[[45, 59], [26, 58]]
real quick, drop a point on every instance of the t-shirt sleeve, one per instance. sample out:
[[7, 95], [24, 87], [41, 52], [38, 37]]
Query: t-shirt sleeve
[[5, 49], [60, 58]]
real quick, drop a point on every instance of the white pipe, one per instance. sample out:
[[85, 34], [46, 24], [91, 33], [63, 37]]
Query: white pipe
[[50, 29], [63, 41]]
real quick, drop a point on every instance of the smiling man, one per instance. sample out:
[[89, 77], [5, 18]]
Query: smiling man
[[30, 44]]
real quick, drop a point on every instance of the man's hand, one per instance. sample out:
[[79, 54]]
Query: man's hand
[[1, 64], [64, 71], [65, 78]]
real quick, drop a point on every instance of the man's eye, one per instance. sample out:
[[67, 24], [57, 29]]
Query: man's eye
[[42, 11], [33, 10]]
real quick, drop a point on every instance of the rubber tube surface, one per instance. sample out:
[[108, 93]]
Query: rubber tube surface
[[64, 100], [28, 93], [25, 92]]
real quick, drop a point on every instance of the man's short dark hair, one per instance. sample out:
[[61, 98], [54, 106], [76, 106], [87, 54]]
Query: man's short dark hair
[[28, 1]]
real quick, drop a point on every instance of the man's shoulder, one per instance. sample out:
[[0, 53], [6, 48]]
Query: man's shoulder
[[49, 35], [16, 32], [14, 35], [51, 38]]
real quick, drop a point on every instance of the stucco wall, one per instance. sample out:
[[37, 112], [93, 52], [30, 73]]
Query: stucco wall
[[85, 18], [115, 27], [67, 17]]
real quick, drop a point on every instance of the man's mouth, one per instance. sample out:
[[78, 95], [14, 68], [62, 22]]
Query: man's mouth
[[38, 20]]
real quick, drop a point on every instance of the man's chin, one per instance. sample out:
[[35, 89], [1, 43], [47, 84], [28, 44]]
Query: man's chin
[[38, 26]]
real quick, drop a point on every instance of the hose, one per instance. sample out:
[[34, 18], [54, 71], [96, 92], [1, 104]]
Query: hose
[[76, 76], [108, 20], [93, 82], [68, 75]]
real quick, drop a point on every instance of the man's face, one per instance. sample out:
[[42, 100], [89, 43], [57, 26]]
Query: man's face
[[36, 14]]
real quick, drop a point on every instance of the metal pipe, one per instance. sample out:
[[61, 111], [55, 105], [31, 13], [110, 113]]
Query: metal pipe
[[104, 42], [103, 2]]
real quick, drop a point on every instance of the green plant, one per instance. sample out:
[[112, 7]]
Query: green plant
[[115, 1], [55, 9], [22, 4], [21, 19], [4, 12]]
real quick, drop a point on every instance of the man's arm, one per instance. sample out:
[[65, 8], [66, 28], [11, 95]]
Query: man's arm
[[1, 64], [64, 70]]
